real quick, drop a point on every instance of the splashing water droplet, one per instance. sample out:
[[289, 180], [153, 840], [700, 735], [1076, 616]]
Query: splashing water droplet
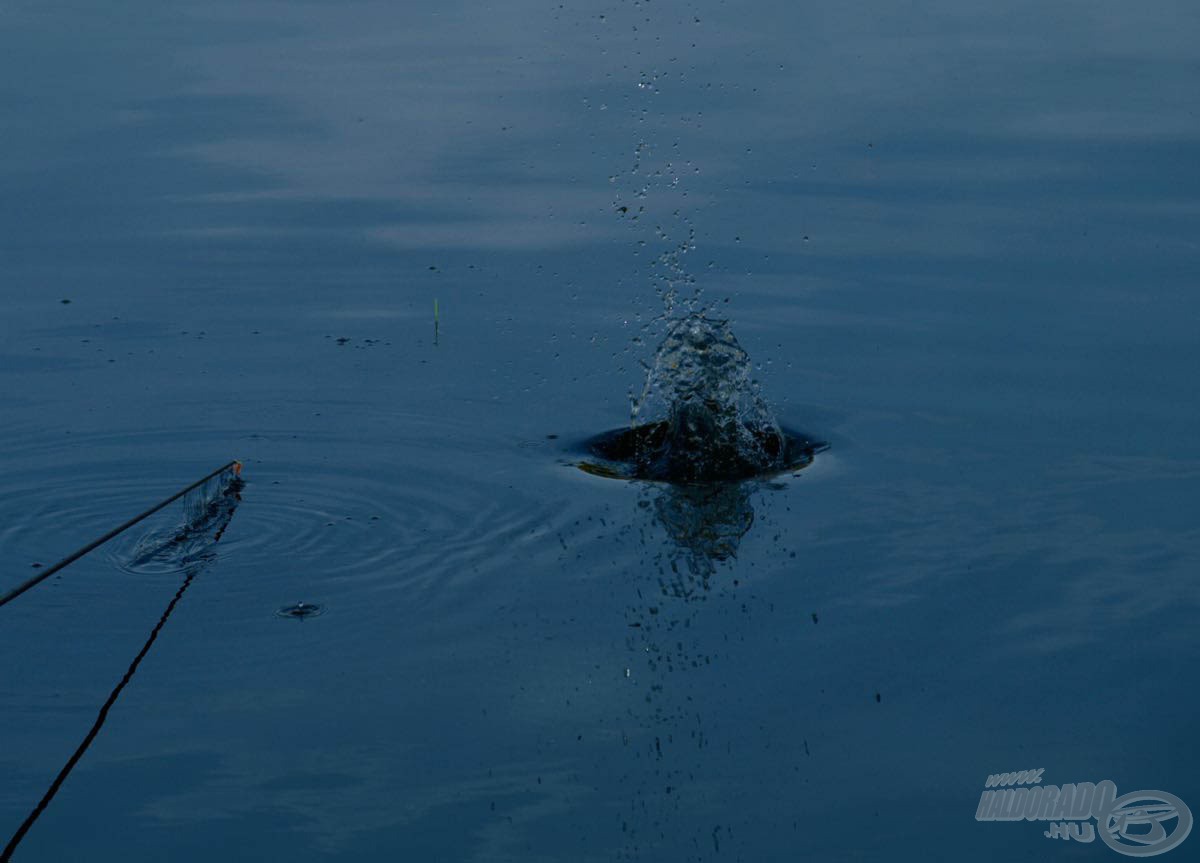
[[300, 610]]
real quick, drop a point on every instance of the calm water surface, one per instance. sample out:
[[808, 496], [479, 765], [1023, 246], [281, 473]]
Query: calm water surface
[[960, 241]]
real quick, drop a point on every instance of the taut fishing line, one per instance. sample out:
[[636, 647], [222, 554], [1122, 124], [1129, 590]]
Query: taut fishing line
[[209, 491], [208, 507]]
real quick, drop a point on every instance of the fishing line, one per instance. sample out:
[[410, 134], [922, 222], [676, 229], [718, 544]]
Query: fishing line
[[212, 516], [7, 853], [234, 466]]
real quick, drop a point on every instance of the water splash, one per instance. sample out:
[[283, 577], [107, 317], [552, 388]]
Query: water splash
[[300, 610], [207, 511], [700, 385], [700, 416]]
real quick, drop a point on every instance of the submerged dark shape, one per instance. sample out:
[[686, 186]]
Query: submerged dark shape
[[653, 452], [706, 421]]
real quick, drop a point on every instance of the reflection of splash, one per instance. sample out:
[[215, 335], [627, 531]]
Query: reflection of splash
[[706, 522], [683, 599], [208, 509], [701, 441], [705, 525]]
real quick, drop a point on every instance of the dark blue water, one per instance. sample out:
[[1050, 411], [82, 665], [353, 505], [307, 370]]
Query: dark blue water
[[961, 243]]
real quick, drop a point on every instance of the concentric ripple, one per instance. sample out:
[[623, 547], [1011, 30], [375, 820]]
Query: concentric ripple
[[62, 491], [414, 517]]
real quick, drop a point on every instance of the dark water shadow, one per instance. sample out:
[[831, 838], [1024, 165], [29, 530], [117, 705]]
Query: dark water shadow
[[650, 452]]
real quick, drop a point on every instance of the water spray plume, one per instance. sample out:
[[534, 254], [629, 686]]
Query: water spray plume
[[700, 417]]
